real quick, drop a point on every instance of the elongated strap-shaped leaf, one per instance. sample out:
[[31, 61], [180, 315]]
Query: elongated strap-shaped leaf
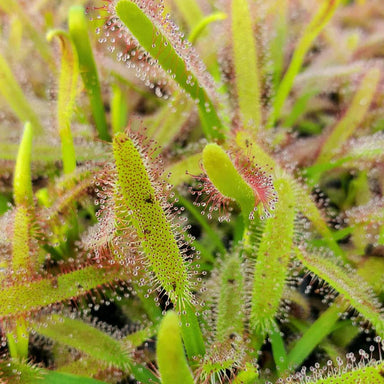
[[14, 96], [86, 338], [156, 235], [170, 355], [157, 44], [78, 29], [353, 117], [149, 220], [246, 64], [348, 284], [68, 79], [230, 311], [319, 21], [272, 260], [20, 299]]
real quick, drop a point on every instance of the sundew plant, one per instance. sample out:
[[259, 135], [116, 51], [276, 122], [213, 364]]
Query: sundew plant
[[191, 191]]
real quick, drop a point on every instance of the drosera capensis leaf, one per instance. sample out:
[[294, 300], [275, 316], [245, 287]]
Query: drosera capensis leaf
[[14, 96], [305, 203], [273, 256], [319, 21], [246, 65], [164, 259], [347, 282], [20, 299], [84, 337], [238, 180], [170, 355], [150, 221], [161, 49], [353, 117], [67, 91], [226, 178], [78, 30]]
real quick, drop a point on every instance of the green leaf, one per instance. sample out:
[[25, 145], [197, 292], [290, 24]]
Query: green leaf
[[278, 349], [150, 221], [67, 92], [358, 294], [170, 355], [273, 256], [24, 298], [160, 47], [78, 30], [153, 228], [246, 65], [86, 338], [226, 178]]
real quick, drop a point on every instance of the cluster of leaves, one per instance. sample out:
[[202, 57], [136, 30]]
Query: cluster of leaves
[[219, 194]]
